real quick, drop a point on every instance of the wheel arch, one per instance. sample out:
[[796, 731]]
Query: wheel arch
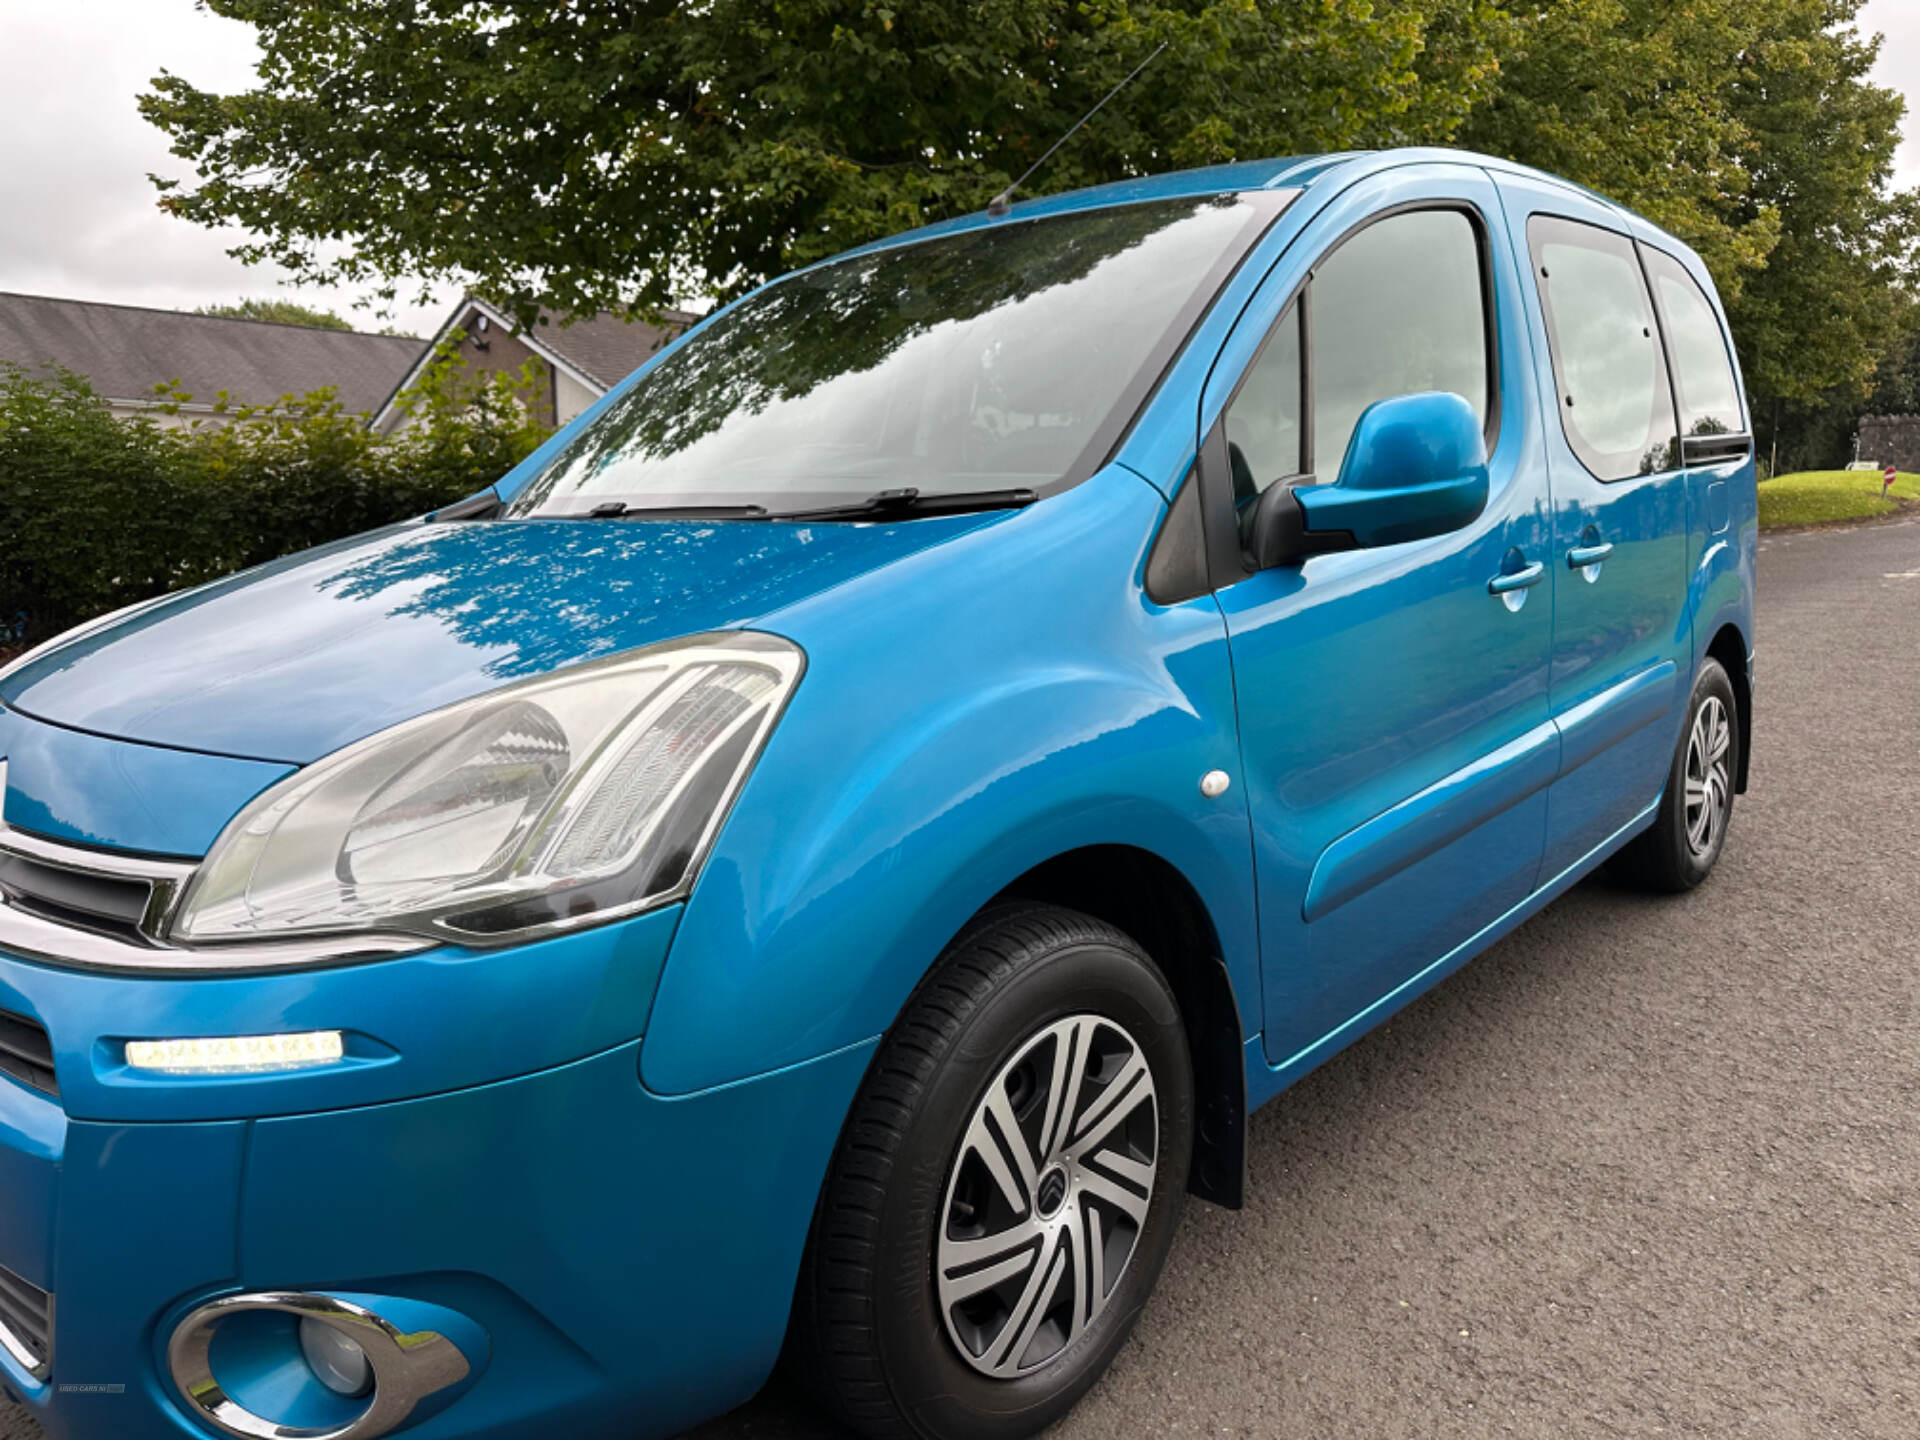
[[1148, 898], [1729, 646]]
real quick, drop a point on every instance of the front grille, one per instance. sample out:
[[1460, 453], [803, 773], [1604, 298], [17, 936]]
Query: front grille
[[72, 897], [26, 1321], [26, 1053], [63, 902]]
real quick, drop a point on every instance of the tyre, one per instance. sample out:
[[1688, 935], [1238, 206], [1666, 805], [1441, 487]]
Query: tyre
[[1006, 1187], [1686, 838]]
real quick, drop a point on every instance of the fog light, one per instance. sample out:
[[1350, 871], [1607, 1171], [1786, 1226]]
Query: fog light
[[338, 1361], [237, 1054], [288, 1364]]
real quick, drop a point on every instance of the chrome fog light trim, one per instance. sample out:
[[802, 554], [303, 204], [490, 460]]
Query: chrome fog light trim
[[406, 1368]]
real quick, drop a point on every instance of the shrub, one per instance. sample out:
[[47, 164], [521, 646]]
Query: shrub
[[98, 512]]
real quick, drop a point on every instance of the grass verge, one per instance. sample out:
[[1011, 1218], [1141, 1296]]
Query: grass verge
[[1818, 497]]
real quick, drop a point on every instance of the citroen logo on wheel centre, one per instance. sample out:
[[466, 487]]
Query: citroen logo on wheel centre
[[1051, 1193]]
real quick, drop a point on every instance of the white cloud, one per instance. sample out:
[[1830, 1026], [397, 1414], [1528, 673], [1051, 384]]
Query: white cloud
[[1899, 69], [79, 218]]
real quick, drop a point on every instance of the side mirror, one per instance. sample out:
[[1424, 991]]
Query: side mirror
[[1416, 467]]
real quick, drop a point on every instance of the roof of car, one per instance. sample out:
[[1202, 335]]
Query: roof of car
[[1275, 174], [1301, 172]]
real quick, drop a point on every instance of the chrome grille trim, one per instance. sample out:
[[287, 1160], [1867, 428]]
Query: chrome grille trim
[[166, 880], [91, 862], [33, 936]]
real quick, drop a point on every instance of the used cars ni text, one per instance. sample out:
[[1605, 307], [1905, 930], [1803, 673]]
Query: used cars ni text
[[827, 854]]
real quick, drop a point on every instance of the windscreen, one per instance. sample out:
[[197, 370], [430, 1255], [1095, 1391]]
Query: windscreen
[[992, 359]]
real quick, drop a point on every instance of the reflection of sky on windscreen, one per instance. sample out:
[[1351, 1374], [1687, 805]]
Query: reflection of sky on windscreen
[[1014, 368]]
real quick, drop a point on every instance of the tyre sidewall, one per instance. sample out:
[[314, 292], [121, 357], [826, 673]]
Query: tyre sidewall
[[930, 1382], [1690, 869]]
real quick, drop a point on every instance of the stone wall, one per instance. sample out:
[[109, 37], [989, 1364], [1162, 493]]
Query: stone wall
[[1891, 437]]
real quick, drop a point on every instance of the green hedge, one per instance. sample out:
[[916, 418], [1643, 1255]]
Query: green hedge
[[98, 512]]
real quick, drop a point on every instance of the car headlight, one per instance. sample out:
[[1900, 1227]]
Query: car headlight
[[564, 801]]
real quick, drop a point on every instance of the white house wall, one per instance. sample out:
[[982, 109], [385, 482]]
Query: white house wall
[[570, 397]]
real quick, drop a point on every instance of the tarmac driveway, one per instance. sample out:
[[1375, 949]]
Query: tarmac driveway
[[1646, 1168]]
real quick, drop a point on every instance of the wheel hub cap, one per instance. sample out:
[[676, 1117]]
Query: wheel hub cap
[[1047, 1196], [1709, 779], [1051, 1193]]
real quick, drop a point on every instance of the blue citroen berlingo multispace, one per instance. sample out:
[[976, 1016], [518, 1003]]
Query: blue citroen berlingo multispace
[[829, 851]]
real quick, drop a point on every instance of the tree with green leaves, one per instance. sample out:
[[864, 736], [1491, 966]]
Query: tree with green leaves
[[1840, 294], [1750, 129], [277, 312], [208, 499], [615, 154], [1629, 98]]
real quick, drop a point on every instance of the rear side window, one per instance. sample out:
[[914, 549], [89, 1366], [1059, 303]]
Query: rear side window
[[1614, 402], [1702, 370], [1397, 308]]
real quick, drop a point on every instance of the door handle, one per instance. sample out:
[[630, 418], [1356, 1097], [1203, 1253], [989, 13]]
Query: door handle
[[1519, 580], [1581, 556]]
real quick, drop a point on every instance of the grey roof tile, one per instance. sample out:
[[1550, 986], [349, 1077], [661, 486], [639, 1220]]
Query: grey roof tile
[[606, 348], [124, 351]]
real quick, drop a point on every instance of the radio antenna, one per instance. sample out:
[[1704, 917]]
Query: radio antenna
[[1003, 202]]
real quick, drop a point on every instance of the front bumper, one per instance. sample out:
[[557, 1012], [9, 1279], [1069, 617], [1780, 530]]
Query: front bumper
[[484, 1154], [630, 1258]]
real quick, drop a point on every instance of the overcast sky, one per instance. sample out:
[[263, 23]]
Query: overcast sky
[[79, 217]]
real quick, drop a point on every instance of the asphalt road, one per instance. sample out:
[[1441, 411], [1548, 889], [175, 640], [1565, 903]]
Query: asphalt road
[[1648, 1167]]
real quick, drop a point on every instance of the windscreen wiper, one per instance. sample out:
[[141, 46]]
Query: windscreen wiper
[[617, 509], [909, 501]]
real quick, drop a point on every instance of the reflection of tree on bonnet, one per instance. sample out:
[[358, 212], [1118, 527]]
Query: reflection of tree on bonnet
[[940, 364], [545, 594]]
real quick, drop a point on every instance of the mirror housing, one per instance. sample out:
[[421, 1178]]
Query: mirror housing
[[1275, 529], [1415, 468]]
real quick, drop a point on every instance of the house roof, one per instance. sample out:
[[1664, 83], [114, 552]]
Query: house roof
[[125, 350], [604, 347], [600, 350]]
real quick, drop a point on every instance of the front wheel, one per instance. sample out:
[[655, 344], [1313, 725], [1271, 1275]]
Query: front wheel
[[1006, 1188], [1686, 837]]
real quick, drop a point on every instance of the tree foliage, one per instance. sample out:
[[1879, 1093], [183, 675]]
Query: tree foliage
[[1628, 97], [614, 154], [1838, 292], [99, 512], [1749, 128], [277, 312], [617, 153]]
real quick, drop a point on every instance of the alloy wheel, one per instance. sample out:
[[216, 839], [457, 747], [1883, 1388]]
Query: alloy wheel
[[1709, 779], [1047, 1196]]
